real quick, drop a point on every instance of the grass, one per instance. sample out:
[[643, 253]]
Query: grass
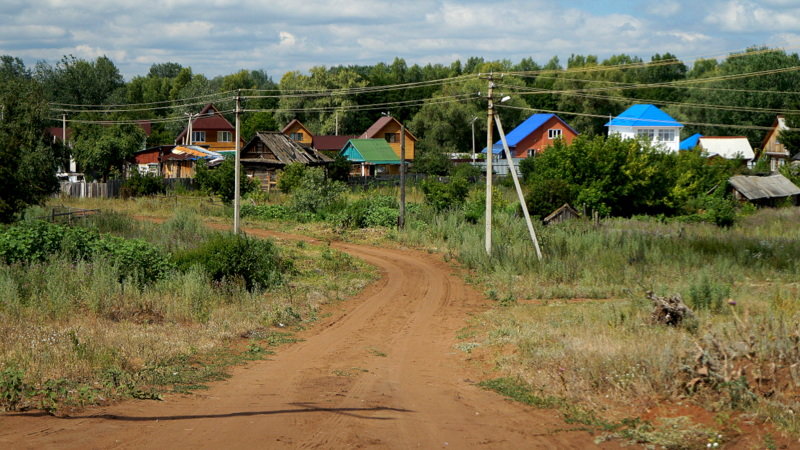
[[577, 327], [72, 334]]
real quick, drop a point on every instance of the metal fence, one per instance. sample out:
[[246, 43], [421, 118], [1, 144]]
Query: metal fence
[[84, 189]]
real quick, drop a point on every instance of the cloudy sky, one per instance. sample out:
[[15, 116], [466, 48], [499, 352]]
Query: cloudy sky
[[217, 37]]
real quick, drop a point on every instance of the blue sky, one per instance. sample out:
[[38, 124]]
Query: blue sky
[[218, 37]]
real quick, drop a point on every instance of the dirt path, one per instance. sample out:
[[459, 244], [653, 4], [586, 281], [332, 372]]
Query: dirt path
[[380, 372]]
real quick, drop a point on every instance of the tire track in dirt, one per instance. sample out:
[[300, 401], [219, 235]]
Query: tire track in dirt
[[381, 372]]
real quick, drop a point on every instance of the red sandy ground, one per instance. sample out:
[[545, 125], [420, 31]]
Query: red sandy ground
[[379, 372]]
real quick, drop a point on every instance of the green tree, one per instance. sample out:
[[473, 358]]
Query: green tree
[[27, 171], [102, 151], [220, 180], [80, 82]]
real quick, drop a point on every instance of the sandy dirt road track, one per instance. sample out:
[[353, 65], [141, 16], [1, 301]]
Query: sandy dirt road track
[[380, 372]]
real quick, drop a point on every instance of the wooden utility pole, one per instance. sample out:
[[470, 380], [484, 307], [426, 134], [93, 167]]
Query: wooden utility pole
[[401, 220], [489, 155], [521, 197], [236, 170]]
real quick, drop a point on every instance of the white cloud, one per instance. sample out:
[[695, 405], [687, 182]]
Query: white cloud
[[748, 16], [666, 8]]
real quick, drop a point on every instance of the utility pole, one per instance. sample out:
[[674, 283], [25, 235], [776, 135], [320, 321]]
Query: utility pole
[[473, 138], [521, 197], [401, 220], [236, 170], [489, 155]]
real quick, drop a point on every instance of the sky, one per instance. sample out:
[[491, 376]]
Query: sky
[[219, 37]]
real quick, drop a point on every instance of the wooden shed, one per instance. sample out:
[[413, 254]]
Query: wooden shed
[[271, 151], [764, 191], [562, 214]]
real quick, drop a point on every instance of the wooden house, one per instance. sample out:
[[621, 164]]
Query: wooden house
[[270, 151], [331, 145], [209, 129], [536, 133], [371, 157], [775, 151], [181, 160], [298, 132], [388, 129]]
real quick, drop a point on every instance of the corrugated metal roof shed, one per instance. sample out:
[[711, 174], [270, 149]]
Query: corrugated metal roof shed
[[276, 148], [755, 188], [644, 115], [729, 147]]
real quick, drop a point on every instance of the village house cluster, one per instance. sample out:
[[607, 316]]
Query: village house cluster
[[209, 136]]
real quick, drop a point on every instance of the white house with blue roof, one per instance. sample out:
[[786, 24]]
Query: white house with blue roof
[[650, 123]]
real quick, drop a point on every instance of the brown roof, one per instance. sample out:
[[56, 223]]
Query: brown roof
[[295, 121], [209, 119], [276, 148], [331, 143], [379, 125]]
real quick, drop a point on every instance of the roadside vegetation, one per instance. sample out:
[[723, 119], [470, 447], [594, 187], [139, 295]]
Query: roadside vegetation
[[118, 308]]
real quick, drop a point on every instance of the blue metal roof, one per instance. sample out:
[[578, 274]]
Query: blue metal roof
[[690, 142], [524, 130], [644, 116]]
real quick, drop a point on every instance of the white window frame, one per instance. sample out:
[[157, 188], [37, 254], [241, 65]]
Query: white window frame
[[649, 133], [666, 135], [555, 133], [224, 136], [198, 136]]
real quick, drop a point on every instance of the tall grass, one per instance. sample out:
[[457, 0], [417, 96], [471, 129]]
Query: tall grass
[[72, 324], [739, 353]]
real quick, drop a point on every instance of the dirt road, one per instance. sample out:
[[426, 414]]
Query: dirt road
[[380, 372]]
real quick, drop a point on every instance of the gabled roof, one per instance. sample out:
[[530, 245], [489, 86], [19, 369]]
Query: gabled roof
[[729, 147], [209, 118], [374, 151], [524, 130], [643, 115], [296, 122], [778, 125], [690, 142], [193, 152], [755, 188], [331, 143], [379, 125], [279, 149]]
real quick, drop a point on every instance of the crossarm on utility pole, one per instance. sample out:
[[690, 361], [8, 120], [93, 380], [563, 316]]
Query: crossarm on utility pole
[[513, 171]]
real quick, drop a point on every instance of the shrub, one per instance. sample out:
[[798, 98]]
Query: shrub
[[377, 211], [314, 192], [442, 196], [232, 258], [266, 212], [546, 195], [140, 185], [37, 241], [220, 180], [289, 178]]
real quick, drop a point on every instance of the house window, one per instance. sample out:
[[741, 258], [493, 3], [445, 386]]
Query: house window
[[224, 136], [554, 133], [392, 137], [666, 135], [296, 136], [647, 133], [198, 136]]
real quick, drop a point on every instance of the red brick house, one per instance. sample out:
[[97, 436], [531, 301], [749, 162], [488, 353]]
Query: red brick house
[[534, 135]]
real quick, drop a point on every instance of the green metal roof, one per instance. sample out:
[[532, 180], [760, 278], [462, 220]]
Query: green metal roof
[[374, 151]]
